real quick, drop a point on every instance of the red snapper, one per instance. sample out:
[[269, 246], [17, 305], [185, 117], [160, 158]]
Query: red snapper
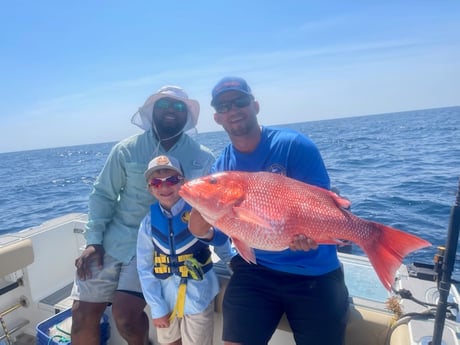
[[265, 211]]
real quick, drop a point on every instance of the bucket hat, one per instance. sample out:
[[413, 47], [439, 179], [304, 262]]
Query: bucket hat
[[143, 118]]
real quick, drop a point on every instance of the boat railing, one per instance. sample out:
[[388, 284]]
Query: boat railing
[[15, 254]]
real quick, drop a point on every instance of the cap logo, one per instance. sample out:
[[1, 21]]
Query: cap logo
[[232, 83], [163, 160]]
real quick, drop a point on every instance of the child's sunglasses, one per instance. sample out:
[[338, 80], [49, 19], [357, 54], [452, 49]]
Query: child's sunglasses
[[169, 181]]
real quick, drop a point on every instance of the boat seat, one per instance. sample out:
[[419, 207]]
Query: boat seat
[[15, 256]]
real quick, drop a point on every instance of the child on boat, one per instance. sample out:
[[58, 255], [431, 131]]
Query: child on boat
[[175, 267]]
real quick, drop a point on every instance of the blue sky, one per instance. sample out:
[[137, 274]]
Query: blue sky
[[74, 72]]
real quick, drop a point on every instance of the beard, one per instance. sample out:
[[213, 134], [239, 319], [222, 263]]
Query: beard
[[242, 128], [166, 129]]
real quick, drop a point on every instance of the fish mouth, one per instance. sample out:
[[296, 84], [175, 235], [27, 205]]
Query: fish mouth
[[186, 192]]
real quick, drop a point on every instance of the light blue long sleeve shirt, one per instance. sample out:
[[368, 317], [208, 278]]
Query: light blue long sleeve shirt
[[161, 294], [120, 198]]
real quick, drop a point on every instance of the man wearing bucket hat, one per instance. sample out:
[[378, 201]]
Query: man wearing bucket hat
[[106, 270]]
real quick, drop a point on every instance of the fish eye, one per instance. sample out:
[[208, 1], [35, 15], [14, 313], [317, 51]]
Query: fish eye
[[213, 180]]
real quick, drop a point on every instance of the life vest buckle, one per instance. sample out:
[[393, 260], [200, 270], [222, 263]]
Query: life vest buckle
[[194, 268]]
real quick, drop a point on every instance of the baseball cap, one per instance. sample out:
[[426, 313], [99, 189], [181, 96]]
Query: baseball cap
[[230, 84], [163, 162]]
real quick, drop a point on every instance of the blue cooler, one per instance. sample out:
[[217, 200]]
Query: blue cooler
[[56, 329]]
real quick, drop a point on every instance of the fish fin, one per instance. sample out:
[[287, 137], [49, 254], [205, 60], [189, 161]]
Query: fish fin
[[250, 217], [246, 252], [341, 202], [387, 250]]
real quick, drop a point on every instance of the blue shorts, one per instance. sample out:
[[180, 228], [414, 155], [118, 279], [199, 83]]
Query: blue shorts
[[256, 298]]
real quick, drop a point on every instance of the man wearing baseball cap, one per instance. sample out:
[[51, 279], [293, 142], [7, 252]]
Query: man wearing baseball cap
[[230, 84], [106, 270], [313, 294]]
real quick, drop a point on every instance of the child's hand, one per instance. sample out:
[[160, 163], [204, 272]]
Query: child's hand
[[161, 322], [198, 225]]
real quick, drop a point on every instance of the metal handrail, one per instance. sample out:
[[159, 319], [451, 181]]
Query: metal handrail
[[6, 331], [19, 282]]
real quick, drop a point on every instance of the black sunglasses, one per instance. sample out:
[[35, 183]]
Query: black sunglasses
[[239, 102]]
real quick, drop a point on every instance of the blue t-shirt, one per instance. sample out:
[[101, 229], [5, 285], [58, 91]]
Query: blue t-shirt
[[292, 154]]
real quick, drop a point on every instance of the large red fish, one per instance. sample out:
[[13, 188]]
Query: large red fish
[[264, 210]]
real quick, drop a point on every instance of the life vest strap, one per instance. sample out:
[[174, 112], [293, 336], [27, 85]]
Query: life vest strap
[[161, 258], [193, 269], [184, 265], [180, 301]]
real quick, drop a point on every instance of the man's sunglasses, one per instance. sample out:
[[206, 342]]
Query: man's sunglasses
[[170, 181], [239, 102], [165, 103]]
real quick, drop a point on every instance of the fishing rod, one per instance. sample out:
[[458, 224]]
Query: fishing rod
[[447, 268]]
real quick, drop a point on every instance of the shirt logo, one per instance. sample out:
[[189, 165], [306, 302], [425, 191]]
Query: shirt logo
[[196, 164], [276, 169]]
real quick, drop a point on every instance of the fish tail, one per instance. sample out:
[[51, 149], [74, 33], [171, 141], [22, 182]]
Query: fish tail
[[387, 250]]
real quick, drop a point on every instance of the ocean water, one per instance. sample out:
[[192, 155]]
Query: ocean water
[[400, 169]]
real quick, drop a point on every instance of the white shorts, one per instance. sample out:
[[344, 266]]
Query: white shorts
[[114, 275], [192, 329]]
